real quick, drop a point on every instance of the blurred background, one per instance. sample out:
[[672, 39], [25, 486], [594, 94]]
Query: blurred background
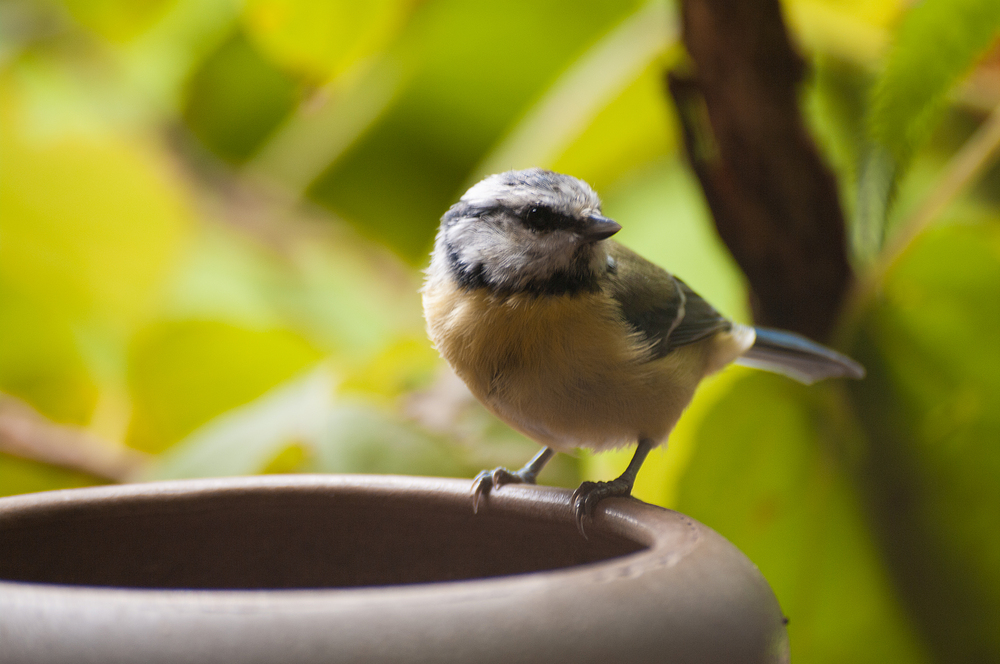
[[214, 215]]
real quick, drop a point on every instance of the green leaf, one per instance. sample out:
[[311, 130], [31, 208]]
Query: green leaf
[[348, 297], [117, 20], [765, 474], [835, 101], [41, 363], [90, 221], [323, 38], [633, 132], [298, 426], [591, 83], [182, 374], [251, 438], [362, 439], [854, 31], [876, 191], [931, 410], [237, 98], [936, 44], [23, 476]]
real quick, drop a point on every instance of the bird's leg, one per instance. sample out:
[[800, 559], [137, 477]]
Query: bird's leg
[[589, 494], [494, 479]]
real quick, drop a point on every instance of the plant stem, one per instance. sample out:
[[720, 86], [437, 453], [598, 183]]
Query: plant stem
[[27, 434]]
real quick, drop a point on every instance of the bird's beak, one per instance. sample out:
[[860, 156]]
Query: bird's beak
[[597, 228]]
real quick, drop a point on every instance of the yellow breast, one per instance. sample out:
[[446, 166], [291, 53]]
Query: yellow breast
[[564, 370]]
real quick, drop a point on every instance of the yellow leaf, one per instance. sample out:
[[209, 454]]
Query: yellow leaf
[[89, 224], [321, 38]]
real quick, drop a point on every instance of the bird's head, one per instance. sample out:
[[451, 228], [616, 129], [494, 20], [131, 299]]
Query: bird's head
[[525, 231]]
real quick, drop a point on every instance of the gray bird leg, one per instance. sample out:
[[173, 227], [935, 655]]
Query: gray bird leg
[[496, 478], [589, 494]]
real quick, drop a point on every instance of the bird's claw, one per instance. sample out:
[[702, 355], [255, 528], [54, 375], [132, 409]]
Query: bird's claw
[[488, 480], [587, 496]]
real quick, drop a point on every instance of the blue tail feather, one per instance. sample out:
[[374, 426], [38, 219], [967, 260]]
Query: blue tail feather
[[797, 357]]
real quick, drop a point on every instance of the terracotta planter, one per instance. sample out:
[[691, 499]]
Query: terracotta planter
[[368, 569]]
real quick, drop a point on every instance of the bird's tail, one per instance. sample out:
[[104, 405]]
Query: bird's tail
[[797, 357]]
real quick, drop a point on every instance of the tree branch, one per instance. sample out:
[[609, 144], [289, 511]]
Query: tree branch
[[774, 202], [27, 434]]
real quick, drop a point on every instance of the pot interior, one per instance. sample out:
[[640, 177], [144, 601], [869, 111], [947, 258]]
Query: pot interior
[[289, 537]]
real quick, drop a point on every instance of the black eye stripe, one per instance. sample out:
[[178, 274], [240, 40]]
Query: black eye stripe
[[542, 218]]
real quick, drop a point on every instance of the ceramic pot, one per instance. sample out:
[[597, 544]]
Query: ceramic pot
[[308, 568]]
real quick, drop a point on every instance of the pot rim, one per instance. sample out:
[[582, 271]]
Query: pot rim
[[666, 536]]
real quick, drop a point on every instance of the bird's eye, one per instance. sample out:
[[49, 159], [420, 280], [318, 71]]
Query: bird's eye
[[541, 218]]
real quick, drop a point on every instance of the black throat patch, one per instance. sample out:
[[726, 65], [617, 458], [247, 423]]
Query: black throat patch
[[578, 278]]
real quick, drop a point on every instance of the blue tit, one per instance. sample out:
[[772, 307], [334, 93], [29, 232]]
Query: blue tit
[[573, 339]]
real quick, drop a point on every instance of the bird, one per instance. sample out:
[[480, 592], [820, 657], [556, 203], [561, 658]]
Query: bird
[[573, 339]]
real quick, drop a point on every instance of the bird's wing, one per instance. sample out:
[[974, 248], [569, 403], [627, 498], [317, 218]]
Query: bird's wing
[[658, 305]]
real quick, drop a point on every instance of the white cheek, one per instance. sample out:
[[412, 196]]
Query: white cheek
[[475, 242], [512, 257], [534, 257]]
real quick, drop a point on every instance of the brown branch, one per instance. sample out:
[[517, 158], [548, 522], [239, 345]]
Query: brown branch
[[774, 202], [27, 434]]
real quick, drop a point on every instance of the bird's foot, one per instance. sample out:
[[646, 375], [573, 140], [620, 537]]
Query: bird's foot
[[488, 480], [586, 498]]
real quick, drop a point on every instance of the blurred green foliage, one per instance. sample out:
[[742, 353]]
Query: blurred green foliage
[[236, 98], [910, 95], [213, 214], [911, 92]]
